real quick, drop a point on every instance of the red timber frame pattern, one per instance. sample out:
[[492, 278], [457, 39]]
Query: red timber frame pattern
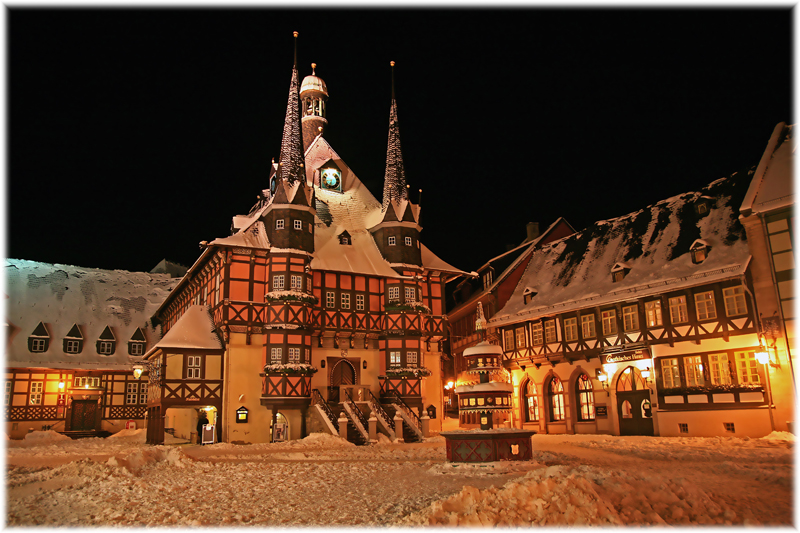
[[55, 406]]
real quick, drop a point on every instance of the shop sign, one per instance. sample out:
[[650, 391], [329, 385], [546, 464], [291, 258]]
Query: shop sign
[[601, 411], [624, 357]]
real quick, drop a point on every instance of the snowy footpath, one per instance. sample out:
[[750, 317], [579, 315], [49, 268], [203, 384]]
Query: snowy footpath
[[323, 481]]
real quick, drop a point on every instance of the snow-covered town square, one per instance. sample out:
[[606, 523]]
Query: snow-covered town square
[[325, 481]]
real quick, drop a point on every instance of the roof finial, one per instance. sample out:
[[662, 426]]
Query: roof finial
[[295, 48], [392, 64], [313, 67]]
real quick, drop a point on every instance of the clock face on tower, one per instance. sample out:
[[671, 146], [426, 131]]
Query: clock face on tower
[[331, 179]]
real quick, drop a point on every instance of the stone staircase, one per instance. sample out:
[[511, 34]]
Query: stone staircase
[[88, 434]]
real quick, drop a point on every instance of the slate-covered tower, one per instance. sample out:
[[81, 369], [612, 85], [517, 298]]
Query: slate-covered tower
[[397, 235]]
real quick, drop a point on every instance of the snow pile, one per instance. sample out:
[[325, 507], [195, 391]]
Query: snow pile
[[45, 437], [780, 435], [578, 496]]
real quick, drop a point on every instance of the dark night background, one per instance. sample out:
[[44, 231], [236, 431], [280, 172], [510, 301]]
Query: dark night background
[[133, 134]]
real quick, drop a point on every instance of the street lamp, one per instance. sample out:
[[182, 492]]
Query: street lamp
[[762, 356]]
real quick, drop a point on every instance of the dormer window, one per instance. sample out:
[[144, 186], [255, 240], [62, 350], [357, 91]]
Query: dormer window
[[39, 340], [699, 250], [344, 238], [107, 343], [619, 271], [137, 343], [330, 177], [528, 294], [73, 342], [703, 205], [487, 279]]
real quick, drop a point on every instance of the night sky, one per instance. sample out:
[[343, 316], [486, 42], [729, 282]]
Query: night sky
[[134, 134]]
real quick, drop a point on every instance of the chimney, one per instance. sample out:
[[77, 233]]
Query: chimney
[[533, 231]]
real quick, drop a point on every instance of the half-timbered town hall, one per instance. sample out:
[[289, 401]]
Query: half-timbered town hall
[[323, 307]]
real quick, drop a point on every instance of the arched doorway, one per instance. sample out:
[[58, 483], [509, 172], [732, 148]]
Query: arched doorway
[[633, 404], [280, 431], [342, 373]]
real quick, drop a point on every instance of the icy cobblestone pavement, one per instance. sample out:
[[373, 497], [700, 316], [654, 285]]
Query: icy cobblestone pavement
[[325, 481]]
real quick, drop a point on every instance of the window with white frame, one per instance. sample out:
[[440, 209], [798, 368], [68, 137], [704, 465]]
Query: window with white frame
[[298, 225], [276, 356], [556, 400], [411, 358], [670, 373], [35, 397], [520, 332], [509, 338], [359, 302], [297, 282], [394, 359], [137, 348], [216, 289], [570, 329], [411, 294], [630, 317], [704, 303], [193, 366], [278, 282], [609, 321], [677, 310], [105, 347], [279, 223], [8, 393], [585, 398], [408, 241], [587, 326], [392, 240], [720, 370], [73, 346], [734, 301], [87, 381], [330, 299], [143, 393], [693, 369], [294, 355], [394, 293], [652, 311], [747, 368], [38, 345], [550, 331], [345, 301], [132, 393], [537, 334]]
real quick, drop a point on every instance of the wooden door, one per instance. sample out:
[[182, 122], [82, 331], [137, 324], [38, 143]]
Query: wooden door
[[84, 415], [633, 404]]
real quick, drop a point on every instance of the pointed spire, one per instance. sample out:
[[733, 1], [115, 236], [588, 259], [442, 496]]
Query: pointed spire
[[290, 166], [394, 181]]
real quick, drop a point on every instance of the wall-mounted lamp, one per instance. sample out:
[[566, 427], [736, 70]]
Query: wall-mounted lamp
[[364, 364], [602, 377], [322, 363], [762, 355], [138, 370], [61, 385], [319, 341], [353, 343], [335, 341], [646, 374], [366, 343]]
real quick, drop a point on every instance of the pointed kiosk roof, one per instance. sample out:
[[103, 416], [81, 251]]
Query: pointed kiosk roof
[[291, 161], [394, 182]]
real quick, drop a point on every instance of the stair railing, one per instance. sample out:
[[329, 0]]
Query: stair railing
[[356, 411], [317, 399], [378, 409], [397, 400]]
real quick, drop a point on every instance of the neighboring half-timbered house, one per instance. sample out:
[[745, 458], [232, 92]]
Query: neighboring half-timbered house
[[324, 298], [644, 324], [72, 336]]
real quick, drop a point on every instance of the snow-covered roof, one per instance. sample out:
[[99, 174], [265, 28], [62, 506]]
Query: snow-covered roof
[[431, 261], [772, 186], [193, 330], [253, 235], [360, 256], [574, 272], [61, 296]]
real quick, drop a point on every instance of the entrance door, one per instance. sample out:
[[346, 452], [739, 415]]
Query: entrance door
[[84, 415], [342, 373], [633, 404]]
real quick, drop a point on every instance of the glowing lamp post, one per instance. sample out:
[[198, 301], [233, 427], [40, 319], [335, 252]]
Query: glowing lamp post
[[762, 356]]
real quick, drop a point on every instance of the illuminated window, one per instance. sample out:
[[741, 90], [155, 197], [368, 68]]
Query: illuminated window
[[132, 393], [609, 320], [531, 402], [193, 367], [520, 332], [550, 331], [143, 393], [677, 310], [630, 318], [693, 366], [587, 326], [35, 397], [345, 301], [734, 301], [537, 334], [276, 356], [411, 294], [747, 368], [294, 355], [652, 311], [509, 338], [411, 358], [570, 329], [394, 359], [670, 373], [556, 397], [704, 303], [359, 302], [297, 282], [8, 393], [394, 293], [720, 370], [585, 398], [278, 282]]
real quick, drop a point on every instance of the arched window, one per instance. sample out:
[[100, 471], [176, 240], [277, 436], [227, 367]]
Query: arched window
[[556, 397], [585, 398], [531, 402], [631, 379]]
